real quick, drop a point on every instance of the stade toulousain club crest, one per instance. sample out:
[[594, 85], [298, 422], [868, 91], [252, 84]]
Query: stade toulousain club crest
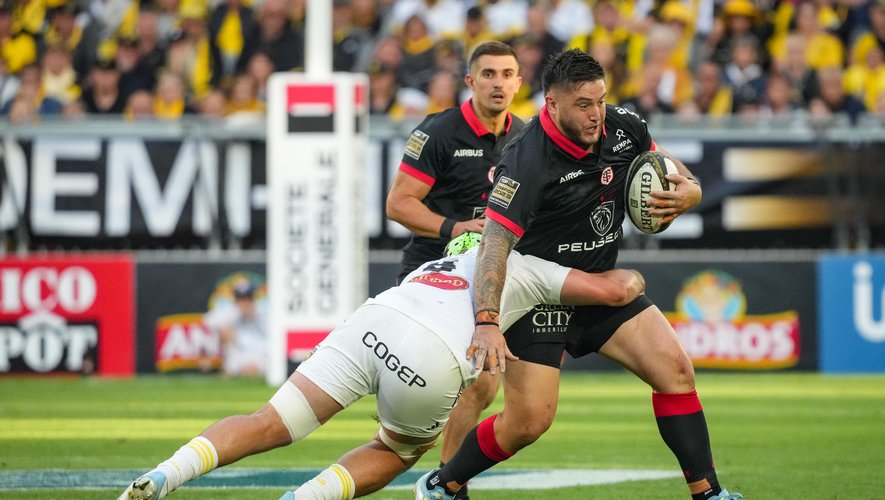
[[311, 108]]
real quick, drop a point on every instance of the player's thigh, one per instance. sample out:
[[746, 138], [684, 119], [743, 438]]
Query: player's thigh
[[419, 380], [343, 365], [531, 395], [647, 345]]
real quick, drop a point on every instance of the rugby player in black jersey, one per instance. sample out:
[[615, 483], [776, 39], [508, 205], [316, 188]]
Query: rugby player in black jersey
[[558, 195], [443, 183]]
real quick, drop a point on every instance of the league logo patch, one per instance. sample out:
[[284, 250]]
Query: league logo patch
[[504, 191], [416, 143], [607, 175], [602, 217]]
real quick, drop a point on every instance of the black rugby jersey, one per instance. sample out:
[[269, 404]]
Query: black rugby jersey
[[565, 203], [455, 154]]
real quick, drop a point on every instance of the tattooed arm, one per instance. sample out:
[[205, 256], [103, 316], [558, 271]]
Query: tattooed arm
[[491, 269]]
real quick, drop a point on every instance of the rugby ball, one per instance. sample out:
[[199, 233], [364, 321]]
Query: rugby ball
[[646, 174]]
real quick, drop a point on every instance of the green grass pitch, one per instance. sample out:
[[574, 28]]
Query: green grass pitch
[[775, 436]]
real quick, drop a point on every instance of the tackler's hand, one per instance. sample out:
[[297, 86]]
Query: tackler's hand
[[488, 349]]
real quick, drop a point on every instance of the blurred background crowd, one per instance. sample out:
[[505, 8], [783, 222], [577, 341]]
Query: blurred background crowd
[[163, 59]]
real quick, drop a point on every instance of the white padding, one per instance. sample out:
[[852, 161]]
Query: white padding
[[405, 450], [295, 411]]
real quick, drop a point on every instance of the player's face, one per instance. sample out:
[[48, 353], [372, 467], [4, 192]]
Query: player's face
[[494, 81], [579, 113]]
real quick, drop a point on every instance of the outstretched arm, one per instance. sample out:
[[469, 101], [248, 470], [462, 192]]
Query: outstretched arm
[[617, 287], [491, 269]]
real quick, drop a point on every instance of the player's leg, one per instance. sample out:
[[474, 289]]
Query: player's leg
[[418, 381], [297, 409], [475, 398], [531, 393], [647, 345]]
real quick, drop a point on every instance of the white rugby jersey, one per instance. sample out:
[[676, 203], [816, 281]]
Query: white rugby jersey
[[439, 296]]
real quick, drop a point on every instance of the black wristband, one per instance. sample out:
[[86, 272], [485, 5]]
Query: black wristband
[[445, 230], [485, 323]]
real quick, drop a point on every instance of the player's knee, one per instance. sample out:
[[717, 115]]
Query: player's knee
[[525, 431], [409, 453]]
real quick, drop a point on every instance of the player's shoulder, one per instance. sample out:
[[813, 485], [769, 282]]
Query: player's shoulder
[[621, 116], [442, 120]]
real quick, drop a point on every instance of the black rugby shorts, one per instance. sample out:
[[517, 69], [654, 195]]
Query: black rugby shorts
[[545, 332]]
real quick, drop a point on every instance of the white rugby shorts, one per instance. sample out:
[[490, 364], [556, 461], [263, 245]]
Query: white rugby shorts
[[382, 351]]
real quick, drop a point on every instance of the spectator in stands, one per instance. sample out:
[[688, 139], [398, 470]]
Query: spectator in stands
[[188, 54], [831, 97], [743, 73], [230, 26], [389, 54], [410, 104], [648, 101], [866, 80], [794, 66], [59, 76], [213, 105], [475, 30], [8, 83], [275, 37], [64, 28], [417, 63], [712, 96], [506, 18], [442, 18], [442, 92], [529, 98], [664, 46], [243, 104], [606, 54], [151, 47], [30, 101], [778, 96], [170, 98], [740, 18], [567, 19], [382, 89], [366, 16], [167, 19], [17, 48], [260, 68], [536, 24], [134, 73], [102, 93], [875, 36], [348, 40], [242, 330], [821, 48], [140, 105]]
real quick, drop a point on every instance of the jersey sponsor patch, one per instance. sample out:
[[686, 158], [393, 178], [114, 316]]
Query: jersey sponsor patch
[[602, 217], [504, 191], [442, 281], [607, 175], [416, 143]]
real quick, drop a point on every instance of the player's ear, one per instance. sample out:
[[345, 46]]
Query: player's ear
[[468, 79]]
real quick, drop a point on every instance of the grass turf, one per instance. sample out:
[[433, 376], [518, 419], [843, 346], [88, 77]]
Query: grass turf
[[778, 436]]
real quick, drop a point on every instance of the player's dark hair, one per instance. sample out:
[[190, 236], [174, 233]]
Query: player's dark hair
[[569, 69], [491, 48]]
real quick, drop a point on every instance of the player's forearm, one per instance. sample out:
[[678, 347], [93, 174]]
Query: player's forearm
[[416, 217], [491, 269], [617, 287]]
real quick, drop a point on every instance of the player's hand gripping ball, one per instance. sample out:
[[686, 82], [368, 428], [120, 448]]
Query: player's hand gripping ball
[[646, 174]]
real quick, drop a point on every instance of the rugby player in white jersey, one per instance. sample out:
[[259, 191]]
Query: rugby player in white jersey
[[392, 346]]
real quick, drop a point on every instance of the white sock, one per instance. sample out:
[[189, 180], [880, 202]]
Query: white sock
[[190, 462], [333, 483]]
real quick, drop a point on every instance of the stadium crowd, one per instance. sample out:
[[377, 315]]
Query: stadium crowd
[[168, 58]]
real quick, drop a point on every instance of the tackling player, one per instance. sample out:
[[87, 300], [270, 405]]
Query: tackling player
[[394, 346], [559, 195], [443, 183]]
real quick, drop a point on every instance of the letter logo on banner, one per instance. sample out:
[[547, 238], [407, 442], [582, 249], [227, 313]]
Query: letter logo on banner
[[851, 305], [712, 324], [67, 314], [864, 298]]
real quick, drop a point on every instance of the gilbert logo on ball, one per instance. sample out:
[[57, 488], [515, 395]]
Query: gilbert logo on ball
[[646, 174]]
